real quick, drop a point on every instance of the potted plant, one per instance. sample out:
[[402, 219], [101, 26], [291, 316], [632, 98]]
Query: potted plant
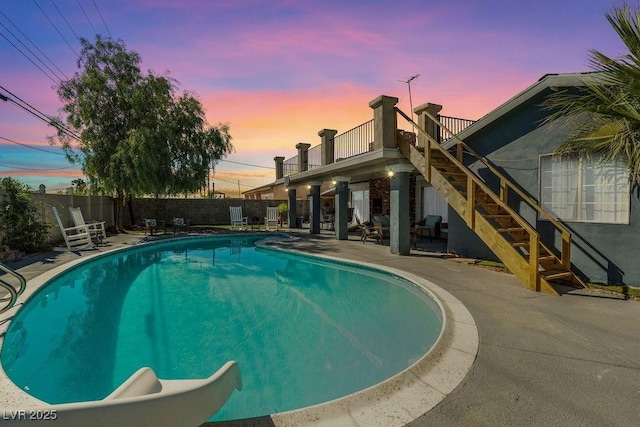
[[283, 208]]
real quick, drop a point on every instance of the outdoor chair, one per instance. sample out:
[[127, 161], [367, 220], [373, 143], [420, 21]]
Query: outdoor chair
[[382, 223], [237, 220], [180, 223], [431, 224], [78, 237], [272, 217], [150, 225], [368, 232], [96, 228]]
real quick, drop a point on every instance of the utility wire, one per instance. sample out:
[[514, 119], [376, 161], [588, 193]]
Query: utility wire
[[105, 24], [36, 169], [86, 16], [31, 146], [56, 28], [65, 20], [38, 114], [246, 164], [29, 59], [34, 45], [31, 52]]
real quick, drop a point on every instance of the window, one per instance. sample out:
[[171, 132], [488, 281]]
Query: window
[[434, 204], [578, 189], [360, 202]]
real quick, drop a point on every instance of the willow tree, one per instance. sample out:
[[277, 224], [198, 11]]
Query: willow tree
[[138, 135], [605, 112]]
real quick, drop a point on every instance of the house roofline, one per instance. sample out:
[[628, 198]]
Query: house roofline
[[545, 82]]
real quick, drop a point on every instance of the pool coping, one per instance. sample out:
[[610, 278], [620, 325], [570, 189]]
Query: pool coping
[[395, 401]]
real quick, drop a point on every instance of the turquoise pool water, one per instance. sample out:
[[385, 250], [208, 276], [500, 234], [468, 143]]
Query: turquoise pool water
[[303, 330]]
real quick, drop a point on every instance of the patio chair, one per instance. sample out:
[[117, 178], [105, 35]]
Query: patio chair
[[430, 223], [367, 232], [76, 238], [96, 228], [150, 225], [272, 217], [237, 220], [180, 223]]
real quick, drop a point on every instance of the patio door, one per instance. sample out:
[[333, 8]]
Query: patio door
[[434, 204], [360, 203]]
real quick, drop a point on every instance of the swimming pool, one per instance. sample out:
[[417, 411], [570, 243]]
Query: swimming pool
[[303, 330]]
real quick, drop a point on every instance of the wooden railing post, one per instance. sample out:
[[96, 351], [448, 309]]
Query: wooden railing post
[[427, 160], [459, 152], [534, 258], [504, 190], [471, 203], [565, 256]]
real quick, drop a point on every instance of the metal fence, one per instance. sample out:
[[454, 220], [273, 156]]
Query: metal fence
[[454, 124], [314, 157], [353, 142], [290, 166]]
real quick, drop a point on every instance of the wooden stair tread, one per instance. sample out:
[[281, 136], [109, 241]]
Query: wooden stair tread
[[556, 274], [509, 229]]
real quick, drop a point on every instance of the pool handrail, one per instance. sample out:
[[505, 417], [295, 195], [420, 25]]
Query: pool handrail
[[13, 292], [142, 399]]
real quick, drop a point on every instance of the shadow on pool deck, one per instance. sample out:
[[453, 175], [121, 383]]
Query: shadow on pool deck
[[542, 360]]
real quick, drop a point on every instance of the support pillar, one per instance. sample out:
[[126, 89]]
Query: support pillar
[[327, 144], [341, 219], [400, 228], [314, 202], [291, 213], [279, 166], [303, 156], [385, 122], [426, 123]]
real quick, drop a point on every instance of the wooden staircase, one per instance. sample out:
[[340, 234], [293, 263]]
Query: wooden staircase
[[487, 213]]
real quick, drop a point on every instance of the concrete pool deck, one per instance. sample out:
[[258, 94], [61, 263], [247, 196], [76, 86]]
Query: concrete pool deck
[[542, 360]]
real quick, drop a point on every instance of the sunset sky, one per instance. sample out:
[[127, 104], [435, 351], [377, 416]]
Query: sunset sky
[[278, 71]]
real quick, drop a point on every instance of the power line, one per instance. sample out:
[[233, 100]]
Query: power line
[[105, 24], [29, 59], [31, 52], [246, 164], [34, 45], [36, 169], [56, 28], [65, 20], [86, 16], [31, 146]]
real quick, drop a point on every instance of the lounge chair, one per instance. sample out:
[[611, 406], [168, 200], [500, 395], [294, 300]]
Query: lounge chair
[[368, 232], [96, 228], [272, 217], [237, 220], [78, 237]]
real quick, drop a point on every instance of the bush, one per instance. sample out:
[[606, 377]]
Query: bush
[[19, 219]]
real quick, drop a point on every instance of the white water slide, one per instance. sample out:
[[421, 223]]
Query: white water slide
[[143, 399]]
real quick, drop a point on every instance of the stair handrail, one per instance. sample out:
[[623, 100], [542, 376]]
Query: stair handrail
[[504, 184], [12, 297], [20, 277]]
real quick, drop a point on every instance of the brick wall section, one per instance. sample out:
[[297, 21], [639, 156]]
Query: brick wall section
[[379, 189]]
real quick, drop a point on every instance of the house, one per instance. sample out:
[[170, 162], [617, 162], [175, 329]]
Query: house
[[595, 201], [553, 222]]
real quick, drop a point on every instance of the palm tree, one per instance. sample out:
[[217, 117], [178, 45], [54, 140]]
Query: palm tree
[[605, 113]]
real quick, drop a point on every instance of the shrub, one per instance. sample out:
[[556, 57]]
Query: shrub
[[19, 219]]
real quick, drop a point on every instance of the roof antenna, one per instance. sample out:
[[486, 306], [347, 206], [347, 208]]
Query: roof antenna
[[408, 82]]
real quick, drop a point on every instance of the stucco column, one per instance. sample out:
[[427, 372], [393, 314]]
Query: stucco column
[[400, 226], [291, 213], [279, 166], [426, 123], [341, 219], [384, 122], [327, 144], [314, 202], [303, 156]]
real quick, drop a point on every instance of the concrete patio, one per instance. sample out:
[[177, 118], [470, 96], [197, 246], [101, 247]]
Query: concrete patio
[[542, 360]]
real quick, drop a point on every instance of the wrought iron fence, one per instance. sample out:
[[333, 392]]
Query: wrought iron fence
[[454, 124], [290, 166], [314, 157], [353, 142]]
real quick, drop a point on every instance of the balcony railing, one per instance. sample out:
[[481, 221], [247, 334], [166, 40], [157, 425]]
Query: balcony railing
[[454, 124], [290, 166], [314, 157], [353, 142]]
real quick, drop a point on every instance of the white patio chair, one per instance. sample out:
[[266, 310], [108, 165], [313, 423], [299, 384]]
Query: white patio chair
[[96, 228], [237, 220], [272, 217], [78, 237]]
